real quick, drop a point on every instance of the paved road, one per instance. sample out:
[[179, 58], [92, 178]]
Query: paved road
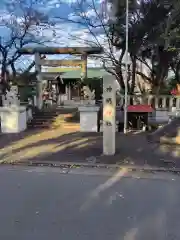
[[44, 203]]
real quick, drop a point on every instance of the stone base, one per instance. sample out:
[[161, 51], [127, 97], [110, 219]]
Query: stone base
[[13, 119], [89, 118]]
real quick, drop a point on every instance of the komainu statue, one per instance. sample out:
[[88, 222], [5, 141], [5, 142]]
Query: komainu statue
[[88, 94]]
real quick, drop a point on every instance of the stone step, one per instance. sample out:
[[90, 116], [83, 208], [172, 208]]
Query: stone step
[[42, 120], [47, 115], [48, 125], [63, 116], [29, 126], [42, 116], [39, 122], [51, 121], [53, 118]]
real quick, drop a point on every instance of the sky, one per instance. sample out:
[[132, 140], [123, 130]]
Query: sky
[[63, 33]]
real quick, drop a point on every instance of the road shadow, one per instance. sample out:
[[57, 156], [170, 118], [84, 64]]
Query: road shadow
[[49, 145], [66, 145], [11, 138]]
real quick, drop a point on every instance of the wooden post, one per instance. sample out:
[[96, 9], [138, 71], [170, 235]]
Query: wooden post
[[109, 115], [39, 81]]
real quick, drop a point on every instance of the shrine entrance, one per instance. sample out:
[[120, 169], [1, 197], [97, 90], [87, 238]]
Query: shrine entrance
[[88, 112], [81, 52]]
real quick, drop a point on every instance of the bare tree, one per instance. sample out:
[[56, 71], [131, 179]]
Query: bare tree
[[94, 21], [145, 34], [21, 24]]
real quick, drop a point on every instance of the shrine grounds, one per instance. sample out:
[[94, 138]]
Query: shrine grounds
[[69, 147]]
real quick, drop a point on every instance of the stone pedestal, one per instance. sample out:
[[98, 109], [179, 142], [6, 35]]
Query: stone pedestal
[[88, 118], [13, 119]]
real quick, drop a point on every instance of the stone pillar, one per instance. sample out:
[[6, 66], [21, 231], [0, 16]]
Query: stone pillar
[[39, 81], [69, 92], [66, 92], [109, 115], [84, 66]]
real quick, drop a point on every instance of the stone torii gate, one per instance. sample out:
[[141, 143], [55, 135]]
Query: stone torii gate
[[109, 96], [83, 52]]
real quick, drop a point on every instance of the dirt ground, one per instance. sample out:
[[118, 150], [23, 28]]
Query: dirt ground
[[69, 145]]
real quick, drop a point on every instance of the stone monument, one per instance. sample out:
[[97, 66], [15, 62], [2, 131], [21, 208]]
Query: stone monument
[[11, 98], [109, 115], [13, 116]]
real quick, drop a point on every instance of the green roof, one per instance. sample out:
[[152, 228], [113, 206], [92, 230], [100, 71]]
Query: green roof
[[91, 73]]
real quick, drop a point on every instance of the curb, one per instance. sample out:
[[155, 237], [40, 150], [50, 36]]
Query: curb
[[94, 165]]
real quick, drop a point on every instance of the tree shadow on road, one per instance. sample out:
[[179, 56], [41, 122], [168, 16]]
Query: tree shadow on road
[[60, 145], [51, 145]]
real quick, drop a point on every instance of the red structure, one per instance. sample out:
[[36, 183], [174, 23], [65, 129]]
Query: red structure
[[140, 108], [138, 116]]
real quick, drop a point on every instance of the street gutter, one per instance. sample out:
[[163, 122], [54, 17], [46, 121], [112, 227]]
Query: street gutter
[[72, 165]]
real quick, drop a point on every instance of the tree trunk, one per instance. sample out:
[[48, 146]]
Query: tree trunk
[[120, 77], [133, 82], [13, 70], [155, 89], [118, 70], [3, 78]]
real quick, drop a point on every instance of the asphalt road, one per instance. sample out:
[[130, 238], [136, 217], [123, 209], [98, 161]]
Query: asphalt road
[[43, 203]]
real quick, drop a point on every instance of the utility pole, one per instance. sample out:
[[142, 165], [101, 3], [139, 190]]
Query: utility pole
[[126, 68]]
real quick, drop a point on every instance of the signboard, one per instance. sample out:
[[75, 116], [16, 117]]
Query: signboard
[[62, 63], [60, 69]]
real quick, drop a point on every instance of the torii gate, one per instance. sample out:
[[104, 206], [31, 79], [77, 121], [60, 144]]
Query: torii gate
[[109, 98], [38, 51]]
